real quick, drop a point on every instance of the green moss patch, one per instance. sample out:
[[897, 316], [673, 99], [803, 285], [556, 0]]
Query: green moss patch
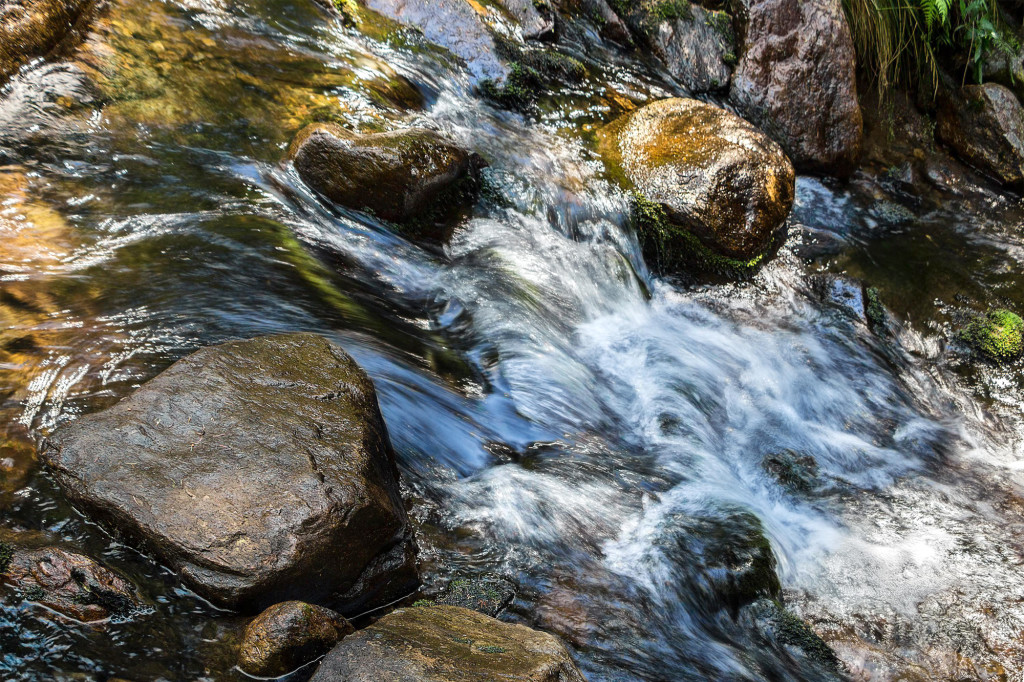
[[998, 335], [673, 247]]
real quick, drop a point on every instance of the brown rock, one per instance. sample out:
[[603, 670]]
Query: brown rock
[[796, 80], [984, 124], [287, 636], [716, 177], [447, 644], [260, 470], [70, 584], [33, 28], [398, 176]]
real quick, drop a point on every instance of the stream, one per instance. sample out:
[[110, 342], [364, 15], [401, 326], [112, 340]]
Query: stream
[[562, 415]]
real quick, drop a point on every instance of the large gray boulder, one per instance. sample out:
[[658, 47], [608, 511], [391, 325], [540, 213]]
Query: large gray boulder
[[984, 125], [447, 644], [796, 80], [711, 186], [259, 470]]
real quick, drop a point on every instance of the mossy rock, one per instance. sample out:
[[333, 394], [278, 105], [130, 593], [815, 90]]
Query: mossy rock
[[795, 634], [998, 335], [794, 471], [415, 177], [709, 189], [489, 595], [723, 554], [287, 636], [447, 644], [533, 73]]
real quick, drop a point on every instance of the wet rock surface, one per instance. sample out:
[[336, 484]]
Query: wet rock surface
[[33, 28], [984, 125], [447, 644], [289, 635], [260, 471], [716, 177], [455, 25], [68, 583], [796, 80], [412, 174], [488, 595], [697, 45]]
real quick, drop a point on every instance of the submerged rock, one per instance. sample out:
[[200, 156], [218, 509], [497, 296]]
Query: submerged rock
[[33, 28], [711, 188], [71, 584], [407, 175], [697, 46], [259, 470], [998, 335], [796, 79], [984, 125], [796, 472], [447, 644], [795, 635], [287, 636], [488, 595], [723, 556]]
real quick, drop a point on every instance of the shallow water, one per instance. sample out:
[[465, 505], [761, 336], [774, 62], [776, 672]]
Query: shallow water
[[562, 416]]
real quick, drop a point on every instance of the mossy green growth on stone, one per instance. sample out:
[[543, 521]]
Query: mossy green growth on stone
[[999, 335], [792, 631], [532, 73], [673, 246], [6, 554], [348, 9]]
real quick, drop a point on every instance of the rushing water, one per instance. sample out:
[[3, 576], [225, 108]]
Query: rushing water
[[562, 415]]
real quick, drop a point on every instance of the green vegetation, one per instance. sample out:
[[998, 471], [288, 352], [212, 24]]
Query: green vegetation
[[903, 43], [998, 335], [491, 649], [531, 73], [671, 245]]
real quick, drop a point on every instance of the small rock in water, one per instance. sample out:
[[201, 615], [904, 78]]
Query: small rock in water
[[260, 470], [488, 595], [794, 471], [71, 584], [447, 644], [999, 335], [711, 190], [287, 636], [413, 175]]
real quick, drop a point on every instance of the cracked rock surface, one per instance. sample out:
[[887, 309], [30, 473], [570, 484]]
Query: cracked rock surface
[[259, 470]]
